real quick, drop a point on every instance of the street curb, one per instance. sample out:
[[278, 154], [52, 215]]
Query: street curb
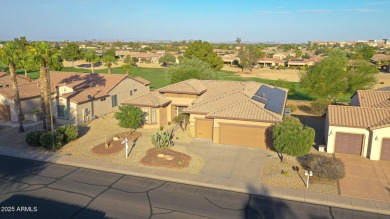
[[266, 191]]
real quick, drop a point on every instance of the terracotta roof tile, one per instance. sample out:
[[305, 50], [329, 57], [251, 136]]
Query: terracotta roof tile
[[141, 80], [217, 103], [374, 99], [190, 86], [27, 88], [216, 88], [151, 99], [360, 117], [246, 110], [81, 96]]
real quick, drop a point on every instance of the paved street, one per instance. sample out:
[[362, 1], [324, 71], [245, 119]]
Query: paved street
[[33, 189]]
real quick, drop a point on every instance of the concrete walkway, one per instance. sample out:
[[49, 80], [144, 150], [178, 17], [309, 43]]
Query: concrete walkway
[[365, 178], [235, 167]]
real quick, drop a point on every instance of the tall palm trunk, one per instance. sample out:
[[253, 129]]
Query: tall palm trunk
[[16, 97], [93, 67], [45, 96], [109, 69]]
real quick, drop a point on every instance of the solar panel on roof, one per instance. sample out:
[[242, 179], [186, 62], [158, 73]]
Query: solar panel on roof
[[259, 99], [265, 91], [276, 103]]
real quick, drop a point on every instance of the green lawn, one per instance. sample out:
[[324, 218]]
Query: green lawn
[[159, 78]]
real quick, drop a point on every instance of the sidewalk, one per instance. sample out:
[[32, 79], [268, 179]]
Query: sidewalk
[[232, 184]]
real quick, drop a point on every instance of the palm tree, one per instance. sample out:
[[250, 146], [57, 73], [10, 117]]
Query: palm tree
[[45, 56], [11, 54], [109, 61], [91, 57]]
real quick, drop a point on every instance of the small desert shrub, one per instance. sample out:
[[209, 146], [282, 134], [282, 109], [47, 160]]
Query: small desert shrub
[[319, 107], [292, 107], [326, 167], [162, 140], [381, 82], [272, 67], [33, 138], [70, 132], [47, 140]]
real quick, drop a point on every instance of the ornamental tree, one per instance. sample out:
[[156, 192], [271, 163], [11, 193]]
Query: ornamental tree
[[129, 117], [292, 137]]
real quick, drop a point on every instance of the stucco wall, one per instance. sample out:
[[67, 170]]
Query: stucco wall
[[27, 105], [192, 123], [331, 136], [376, 145]]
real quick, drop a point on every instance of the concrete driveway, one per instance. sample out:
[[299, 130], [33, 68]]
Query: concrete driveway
[[229, 164], [365, 178]]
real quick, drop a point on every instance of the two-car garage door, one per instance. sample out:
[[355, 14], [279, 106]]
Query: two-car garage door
[[244, 135], [348, 143]]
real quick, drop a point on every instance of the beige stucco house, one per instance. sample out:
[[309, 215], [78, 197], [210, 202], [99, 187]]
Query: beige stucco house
[[363, 128], [226, 112], [29, 93], [76, 97]]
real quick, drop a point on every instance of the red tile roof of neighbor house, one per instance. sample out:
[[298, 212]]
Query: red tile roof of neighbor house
[[359, 117], [373, 98], [84, 85], [27, 88]]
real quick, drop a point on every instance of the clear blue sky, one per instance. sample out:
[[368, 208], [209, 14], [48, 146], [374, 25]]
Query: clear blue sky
[[285, 21]]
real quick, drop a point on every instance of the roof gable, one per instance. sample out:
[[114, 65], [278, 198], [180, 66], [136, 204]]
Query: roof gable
[[374, 99], [190, 86], [151, 99]]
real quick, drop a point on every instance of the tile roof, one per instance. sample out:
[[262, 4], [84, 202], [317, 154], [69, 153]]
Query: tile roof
[[151, 99], [84, 85], [246, 110], [359, 117], [190, 86], [141, 80], [218, 103], [219, 99], [374, 98], [27, 88], [380, 57], [26, 91], [82, 96]]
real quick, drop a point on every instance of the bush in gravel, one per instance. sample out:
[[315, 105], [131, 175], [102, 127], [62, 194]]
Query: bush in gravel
[[33, 138], [70, 132], [47, 140], [326, 167]]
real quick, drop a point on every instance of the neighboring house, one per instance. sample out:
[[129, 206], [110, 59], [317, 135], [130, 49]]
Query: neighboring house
[[268, 62], [226, 112], [363, 128], [300, 62], [77, 97], [229, 59], [29, 93]]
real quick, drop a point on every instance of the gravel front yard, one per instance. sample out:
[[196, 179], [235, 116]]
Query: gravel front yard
[[99, 129], [272, 175]]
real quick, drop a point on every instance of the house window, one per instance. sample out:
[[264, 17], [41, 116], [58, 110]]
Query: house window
[[179, 110], [146, 114], [103, 99], [135, 90], [131, 93], [153, 115], [62, 112], [114, 100]]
